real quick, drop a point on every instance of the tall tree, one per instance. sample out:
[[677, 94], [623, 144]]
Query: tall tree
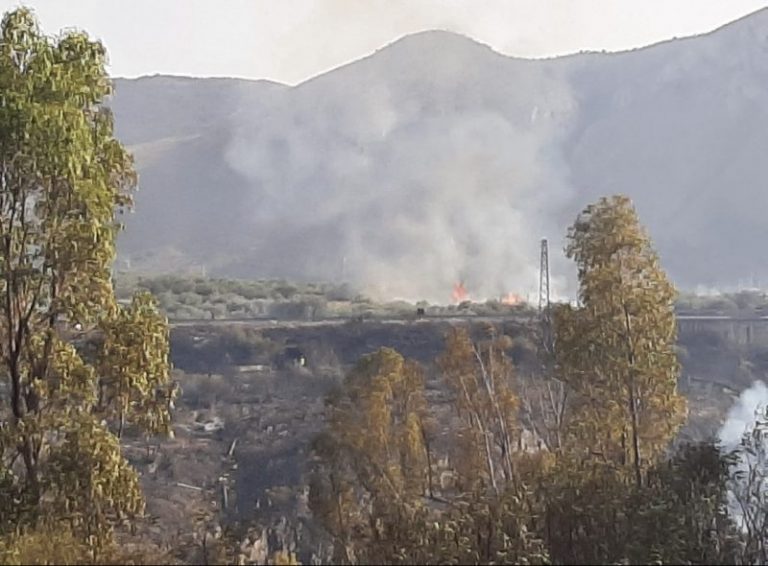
[[616, 350], [373, 461], [63, 178], [370, 484], [481, 378]]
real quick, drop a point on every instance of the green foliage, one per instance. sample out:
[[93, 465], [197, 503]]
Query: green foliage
[[88, 483], [134, 367], [238, 345], [63, 178], [723, 302], [184, 298], [197, 298], [594, 514]]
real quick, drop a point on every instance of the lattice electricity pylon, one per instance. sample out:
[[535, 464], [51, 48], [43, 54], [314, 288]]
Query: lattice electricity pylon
[[545, 319], [544, 279]]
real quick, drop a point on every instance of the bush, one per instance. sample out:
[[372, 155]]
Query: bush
[[286, 291], [340, 293], [201, 390], [204, 288], [190, 298], [254, 291]]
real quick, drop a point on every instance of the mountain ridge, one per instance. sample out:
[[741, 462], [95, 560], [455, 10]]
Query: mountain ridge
[[750, 17], [429, 162]]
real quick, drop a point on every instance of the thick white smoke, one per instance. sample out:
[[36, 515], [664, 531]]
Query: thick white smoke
[[743, 414], [406, 186], [742, 417]]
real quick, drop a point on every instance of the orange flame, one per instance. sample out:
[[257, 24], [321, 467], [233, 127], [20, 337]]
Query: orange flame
[[511, 299], [459, 292]]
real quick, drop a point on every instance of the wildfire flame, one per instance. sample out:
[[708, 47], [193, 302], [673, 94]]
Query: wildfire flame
[[459, 292], [511, 299]]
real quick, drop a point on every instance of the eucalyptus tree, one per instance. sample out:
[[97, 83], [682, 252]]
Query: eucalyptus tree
[[64, 178], [372, 470], [616, 349], [482, 381]]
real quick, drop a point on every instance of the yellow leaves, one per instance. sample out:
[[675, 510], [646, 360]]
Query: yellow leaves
[[284, 558], [616, 351], [53, 545], [372, 463], [481, 379], [380, 418]]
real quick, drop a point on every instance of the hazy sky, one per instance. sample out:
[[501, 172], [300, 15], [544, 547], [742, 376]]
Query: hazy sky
[[292, 40]]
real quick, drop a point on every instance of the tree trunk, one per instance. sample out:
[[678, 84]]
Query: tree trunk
[[635, 434], [428, 450], [633, 398]]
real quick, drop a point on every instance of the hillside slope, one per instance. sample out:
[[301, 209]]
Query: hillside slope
[[436, 160]]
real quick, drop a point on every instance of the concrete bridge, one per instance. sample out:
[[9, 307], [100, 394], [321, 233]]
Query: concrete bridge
[[747, 330]]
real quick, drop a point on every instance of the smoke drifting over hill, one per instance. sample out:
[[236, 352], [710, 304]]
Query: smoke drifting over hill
[[412, 198], [436, 160]]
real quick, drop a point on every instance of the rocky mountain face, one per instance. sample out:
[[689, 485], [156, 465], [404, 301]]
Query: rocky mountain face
[[437, 160]]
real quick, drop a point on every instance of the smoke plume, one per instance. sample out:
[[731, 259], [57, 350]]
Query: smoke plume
[[743, 414], [409, 185], [742, 418]]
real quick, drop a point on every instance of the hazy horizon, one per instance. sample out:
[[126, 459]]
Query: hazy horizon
[[301, 39]]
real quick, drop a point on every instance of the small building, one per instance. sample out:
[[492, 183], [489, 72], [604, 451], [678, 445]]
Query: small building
[[292, 356]]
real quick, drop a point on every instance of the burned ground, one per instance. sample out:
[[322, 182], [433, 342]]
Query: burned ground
[[246, 421]]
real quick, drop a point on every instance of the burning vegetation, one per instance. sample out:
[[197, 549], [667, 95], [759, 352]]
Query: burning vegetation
[[511, 299], [459, 294]]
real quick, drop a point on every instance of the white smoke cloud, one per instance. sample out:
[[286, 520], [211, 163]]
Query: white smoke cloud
[[743, 414], [412, 183], [742, 418]]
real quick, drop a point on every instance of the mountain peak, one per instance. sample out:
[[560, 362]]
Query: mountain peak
[[437, 36], [436, 40]]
